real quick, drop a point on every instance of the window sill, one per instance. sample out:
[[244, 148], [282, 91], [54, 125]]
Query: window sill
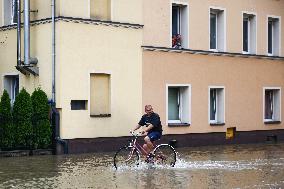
[[217, 124], [178, 124], [272, 122], [101, 115]]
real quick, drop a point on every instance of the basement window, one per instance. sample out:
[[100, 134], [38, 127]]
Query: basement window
[[79, 104]]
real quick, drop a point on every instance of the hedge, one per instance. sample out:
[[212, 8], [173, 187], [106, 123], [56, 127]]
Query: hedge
[[6, 127]]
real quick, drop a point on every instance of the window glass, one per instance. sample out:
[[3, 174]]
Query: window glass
[[270, 26], [11, 84], [213, 103], [175, 20], [173, 104], [245, 34], [269, 104], [213, 30], [78, 104]]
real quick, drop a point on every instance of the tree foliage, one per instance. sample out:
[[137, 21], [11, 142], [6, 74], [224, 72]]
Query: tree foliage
[[6, 127], [22, 119], [40, 119]]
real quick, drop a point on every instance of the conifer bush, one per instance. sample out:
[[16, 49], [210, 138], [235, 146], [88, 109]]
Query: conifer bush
[[22, 114], [40, 120], [6, 127]]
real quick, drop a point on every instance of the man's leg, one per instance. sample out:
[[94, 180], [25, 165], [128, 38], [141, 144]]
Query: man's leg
[[148, 147]]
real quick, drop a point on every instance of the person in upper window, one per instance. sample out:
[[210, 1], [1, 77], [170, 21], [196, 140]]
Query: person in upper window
[[153, 128]]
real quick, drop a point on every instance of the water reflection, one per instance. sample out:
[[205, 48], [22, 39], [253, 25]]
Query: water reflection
[[236, 166]]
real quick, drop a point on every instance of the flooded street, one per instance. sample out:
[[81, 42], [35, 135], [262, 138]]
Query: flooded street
[[233, 166]]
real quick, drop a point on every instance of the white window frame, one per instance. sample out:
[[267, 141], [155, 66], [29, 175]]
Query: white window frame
[[248, 15], [11, 12], [216, 121], [224, 42], [189, 104], [279, 102], [184, 34], [279, 36], [3, 84]]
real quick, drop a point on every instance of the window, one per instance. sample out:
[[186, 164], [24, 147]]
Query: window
[[100, 95], [249, 33], [216, 105], [179, 25], [273, 32], [10, 12], [11, 85], [217, 29], [78, 104], [178, 104], [100, 9], [272, 104]]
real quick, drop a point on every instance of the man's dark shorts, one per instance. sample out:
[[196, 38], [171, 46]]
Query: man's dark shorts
[[155, 135]]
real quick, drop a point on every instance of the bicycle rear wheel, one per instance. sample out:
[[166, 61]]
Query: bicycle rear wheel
[[126, 156], [165, 154]]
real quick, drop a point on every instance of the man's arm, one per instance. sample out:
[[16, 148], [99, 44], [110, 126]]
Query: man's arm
[[137, 127]]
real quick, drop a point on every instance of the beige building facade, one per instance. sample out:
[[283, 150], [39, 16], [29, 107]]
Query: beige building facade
[[206, 67], [211, 67]]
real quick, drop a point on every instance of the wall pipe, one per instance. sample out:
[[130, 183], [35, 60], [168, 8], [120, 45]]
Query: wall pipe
[[56, 116], [27, 32], [19, 33], [53, 9]]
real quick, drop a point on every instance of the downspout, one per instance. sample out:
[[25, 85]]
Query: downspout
[[27, 58], [55, 112], [27, 32], [53, 8], [19, 33], [56, 124]]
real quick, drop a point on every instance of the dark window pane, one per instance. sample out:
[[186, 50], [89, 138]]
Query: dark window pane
[[268, 104], [270, 25], [78, 104], [173, 104], [213, 104], [245, 35], [213, 34], [175, 20], [15, 11]]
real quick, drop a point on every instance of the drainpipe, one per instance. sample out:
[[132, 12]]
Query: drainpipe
[[27, 59], [55, 112], [19, 33], [53, 8], [56, 124], [27, 32]]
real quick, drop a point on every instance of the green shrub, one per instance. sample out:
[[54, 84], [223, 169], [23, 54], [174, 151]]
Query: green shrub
[[40, 117], [22, 114], [6, 129]]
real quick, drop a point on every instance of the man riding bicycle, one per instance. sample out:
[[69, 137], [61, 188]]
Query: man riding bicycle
[[153, 128]]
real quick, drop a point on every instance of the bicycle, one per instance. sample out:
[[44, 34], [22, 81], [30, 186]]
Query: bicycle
[[129, 155]]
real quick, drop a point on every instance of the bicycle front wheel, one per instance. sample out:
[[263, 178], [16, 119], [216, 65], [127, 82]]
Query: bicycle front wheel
[[126, 156], [165, 154]]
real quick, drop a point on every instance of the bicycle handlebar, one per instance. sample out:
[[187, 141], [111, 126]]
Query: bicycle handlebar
[[135, 134]]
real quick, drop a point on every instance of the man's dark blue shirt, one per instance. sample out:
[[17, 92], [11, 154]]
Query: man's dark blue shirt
[[154, 119]]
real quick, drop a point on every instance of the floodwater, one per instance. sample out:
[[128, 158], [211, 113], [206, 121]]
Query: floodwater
[[233, 166]]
